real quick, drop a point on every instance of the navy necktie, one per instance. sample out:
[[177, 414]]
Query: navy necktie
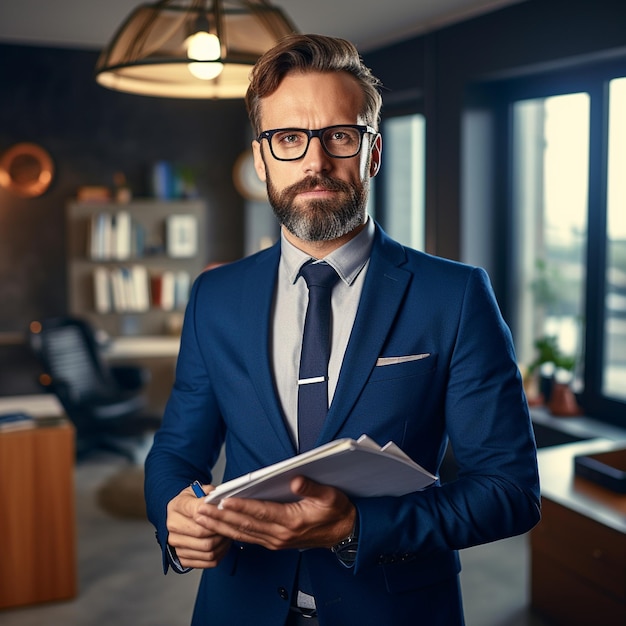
[[313, 376]]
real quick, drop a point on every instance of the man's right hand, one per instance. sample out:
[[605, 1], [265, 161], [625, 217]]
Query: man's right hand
[[190, 532]]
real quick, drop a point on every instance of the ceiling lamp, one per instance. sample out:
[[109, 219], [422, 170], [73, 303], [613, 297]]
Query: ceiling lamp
[[191, 48]]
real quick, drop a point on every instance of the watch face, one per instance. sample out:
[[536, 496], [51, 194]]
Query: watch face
[[246, 180]]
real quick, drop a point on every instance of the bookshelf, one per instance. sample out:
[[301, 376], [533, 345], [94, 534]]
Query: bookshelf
[[130, 266]]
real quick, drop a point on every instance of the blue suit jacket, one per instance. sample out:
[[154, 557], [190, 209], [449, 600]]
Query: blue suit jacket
[[467, 389]]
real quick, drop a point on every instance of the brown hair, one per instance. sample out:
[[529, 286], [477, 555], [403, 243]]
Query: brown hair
[[316, 53]]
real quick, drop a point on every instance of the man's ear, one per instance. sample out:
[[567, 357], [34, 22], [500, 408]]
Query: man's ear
[[377, 153], [259, 163]]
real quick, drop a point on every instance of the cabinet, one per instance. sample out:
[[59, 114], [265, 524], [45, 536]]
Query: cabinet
[[37, 519], [578, 550], [130, 266]]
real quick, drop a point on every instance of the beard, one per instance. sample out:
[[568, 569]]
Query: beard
[[319, 220]]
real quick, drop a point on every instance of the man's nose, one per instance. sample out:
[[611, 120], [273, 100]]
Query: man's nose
[[316, 159]]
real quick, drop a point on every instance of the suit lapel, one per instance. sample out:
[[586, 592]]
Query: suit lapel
[[258, 293], [383, 291], [384, 288]]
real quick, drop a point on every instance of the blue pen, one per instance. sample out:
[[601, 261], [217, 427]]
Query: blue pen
[[197, 489]]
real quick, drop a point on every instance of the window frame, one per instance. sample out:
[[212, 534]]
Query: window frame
[[594, 79]]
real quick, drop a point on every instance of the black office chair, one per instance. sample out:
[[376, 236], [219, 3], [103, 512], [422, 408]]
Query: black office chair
[[106, 404]]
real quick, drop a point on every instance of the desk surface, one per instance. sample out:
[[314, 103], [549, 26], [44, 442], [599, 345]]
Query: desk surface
[[138, 347], [559, 483], [39, 405]]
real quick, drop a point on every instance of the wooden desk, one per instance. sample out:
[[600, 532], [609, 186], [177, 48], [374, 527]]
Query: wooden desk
[[37, 515], [578, 550]]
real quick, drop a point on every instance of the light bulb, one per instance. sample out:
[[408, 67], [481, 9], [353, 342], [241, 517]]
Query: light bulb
[[203, 46]]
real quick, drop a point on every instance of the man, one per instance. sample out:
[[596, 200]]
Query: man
[[419, 355]]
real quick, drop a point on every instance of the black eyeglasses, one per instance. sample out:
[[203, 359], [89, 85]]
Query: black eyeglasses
[[341, 141]]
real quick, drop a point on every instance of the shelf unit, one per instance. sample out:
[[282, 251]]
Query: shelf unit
[[151, 216]]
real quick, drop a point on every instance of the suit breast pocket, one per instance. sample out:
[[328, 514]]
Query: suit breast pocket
[[396, 367], [402, 401]]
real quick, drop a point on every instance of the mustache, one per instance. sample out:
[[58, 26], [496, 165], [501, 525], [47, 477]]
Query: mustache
[[316, 182]]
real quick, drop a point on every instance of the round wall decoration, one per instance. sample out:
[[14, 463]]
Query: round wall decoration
[[26, 170], [246, 180]]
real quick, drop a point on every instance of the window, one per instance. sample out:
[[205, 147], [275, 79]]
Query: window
[[402, 179], [614, 357], [550, 192], [566, 238]]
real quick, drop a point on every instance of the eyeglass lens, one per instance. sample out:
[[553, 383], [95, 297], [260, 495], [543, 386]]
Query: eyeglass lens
[[339, 141]]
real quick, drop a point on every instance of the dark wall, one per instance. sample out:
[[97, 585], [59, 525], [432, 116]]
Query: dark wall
[[48, 96]]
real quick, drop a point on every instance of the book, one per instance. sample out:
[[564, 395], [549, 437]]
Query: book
[[122, 239], [102, 290], [182, 284], [168, 290], [16, 421], [358, 467], [141, 287]]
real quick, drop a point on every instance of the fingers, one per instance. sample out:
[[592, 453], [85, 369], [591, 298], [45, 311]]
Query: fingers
[[306, 488], [321, 518], [203, 554], [184, 514], [256, 522], [190, 532]]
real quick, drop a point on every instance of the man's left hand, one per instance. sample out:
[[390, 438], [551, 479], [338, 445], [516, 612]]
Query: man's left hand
[[320, 519]]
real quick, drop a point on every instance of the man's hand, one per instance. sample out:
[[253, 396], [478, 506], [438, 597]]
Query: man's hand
[[190, 532], [323, 517]]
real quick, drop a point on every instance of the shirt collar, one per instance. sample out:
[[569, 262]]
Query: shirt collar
[[347, 261]]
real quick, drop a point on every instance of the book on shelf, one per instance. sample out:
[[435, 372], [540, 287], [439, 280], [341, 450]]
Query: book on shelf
[[132, 289], [170, 290], [122, 233], [111, 236], [102, 290], [182, 286], [121, 289], [140, 287], [163, 287], [359, 468]]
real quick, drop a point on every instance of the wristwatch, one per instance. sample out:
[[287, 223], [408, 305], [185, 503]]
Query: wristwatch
[[347, 548]]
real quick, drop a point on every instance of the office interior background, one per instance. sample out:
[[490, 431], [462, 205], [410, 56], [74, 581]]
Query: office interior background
[[504, 146]]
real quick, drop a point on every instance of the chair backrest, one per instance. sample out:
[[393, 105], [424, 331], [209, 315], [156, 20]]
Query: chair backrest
[[69, 353]]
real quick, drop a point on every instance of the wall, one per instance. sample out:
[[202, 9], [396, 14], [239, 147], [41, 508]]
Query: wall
[[48, 96]]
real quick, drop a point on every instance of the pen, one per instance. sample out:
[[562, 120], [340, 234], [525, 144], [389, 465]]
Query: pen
[[197, 489]]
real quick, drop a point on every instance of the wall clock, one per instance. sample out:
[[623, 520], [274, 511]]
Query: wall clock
[[246, 180], [26, 170]]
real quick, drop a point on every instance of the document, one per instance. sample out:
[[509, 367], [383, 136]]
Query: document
[[358, 467]]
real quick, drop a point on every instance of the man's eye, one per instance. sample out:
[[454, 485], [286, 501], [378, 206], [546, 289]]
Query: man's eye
[[342, 137], [289, 139]]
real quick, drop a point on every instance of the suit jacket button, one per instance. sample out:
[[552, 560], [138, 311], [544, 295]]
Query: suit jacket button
[[282, 592]]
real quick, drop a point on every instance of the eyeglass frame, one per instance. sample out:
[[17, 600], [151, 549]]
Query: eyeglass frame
[[362, 128]]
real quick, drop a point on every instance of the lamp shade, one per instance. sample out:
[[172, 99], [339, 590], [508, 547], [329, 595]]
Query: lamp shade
[[191, 48]]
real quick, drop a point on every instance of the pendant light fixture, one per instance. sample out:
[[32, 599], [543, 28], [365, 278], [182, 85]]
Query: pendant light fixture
[[191, 48]]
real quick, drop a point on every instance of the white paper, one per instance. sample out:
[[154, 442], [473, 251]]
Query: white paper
[[359, 468]]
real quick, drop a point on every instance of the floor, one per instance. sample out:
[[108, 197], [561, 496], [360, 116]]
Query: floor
[[120, 579]]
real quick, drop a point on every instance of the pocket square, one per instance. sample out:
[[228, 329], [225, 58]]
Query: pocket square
[[394, 360]]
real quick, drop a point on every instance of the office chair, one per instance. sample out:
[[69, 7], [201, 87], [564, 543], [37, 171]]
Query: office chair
[[106, 404]]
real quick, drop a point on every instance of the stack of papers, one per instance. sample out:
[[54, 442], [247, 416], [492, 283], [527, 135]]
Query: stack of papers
[[359, 468]]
